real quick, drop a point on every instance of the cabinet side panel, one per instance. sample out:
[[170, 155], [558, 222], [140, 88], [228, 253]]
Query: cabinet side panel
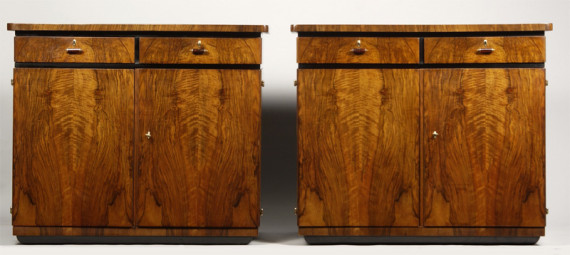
[[73, 147], [199, 164], [358, 144], [486, 166]]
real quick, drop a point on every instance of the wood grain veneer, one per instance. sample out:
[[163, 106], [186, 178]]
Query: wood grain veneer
[[487, 166], [78, 231], [201, 166], [160, 50], [137, 27], [416, 231], [423, 28], [54, 49], [511, 49], [73, 147], [358, 147], [380, 50]]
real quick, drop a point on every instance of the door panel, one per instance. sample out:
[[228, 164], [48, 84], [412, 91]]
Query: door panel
[[358, 138], [200, 165], [486, 166], [73, 147]]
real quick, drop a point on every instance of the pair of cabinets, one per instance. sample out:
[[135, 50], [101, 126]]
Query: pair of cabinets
[[430, 134], [403, 131], [137, 134]]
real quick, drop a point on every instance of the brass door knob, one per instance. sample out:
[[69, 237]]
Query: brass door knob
[[148, 135]]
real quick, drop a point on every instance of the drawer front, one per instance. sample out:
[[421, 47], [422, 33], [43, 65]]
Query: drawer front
[[370, 50], [200, 50], [38, 49], [512, 49]]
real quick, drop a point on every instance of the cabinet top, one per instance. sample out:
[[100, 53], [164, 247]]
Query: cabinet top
[[137, 27], [423, 28]]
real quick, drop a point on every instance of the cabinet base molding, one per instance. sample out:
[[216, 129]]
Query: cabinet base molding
[[25, 232], [421, 239], [133, 240], [421, 232]]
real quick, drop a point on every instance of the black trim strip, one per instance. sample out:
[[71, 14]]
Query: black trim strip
[[140, 34], [137, 50], [422, 34], [418, 66], [421, 50], [135, 66]]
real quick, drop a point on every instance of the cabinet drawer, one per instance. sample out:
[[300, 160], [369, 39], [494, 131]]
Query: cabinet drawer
[[200, 50], [74, 49], [512, 49], [370, 50]]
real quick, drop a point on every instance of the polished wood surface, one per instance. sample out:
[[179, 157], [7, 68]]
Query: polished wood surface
[[358, 143], [137, 27], [423, 28], [201, 166], [379, 50], [73, 147], [487, 165], [92, 49], [415, 231], [510, 49], [161, 50], [74, 231]]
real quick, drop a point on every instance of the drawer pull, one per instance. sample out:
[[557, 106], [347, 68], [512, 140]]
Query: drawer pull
[[74, 51], [200, 50], [485, 49], [358, 50]]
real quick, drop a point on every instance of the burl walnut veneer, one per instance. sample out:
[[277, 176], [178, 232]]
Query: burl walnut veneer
[[421, 133], [136, 133]]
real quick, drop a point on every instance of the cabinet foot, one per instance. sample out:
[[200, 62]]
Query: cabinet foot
[[133, 240], [421, 240]]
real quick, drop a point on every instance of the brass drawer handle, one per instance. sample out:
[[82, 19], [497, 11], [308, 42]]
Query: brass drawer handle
[[200, 50], [485, 49], [74, 51], [358, 50]]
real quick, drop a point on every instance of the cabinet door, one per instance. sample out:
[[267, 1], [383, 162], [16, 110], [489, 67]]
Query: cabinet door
[[486, 165], [73, 147], [199, 164], [358, 138]]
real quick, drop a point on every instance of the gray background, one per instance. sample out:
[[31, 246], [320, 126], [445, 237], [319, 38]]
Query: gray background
[[279, 72]]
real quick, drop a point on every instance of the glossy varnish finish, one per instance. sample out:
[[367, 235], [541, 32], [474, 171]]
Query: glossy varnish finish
[[511, 49], [486, 167], [358, 147], [200, 167], [54, 49], [423, 28], [379, 50], [218, 50], [73, 147], [137, 27], [420, 231], [111, 231]]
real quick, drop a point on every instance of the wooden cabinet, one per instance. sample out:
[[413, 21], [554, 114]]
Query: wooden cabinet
[[148, 134], [406, 133]]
